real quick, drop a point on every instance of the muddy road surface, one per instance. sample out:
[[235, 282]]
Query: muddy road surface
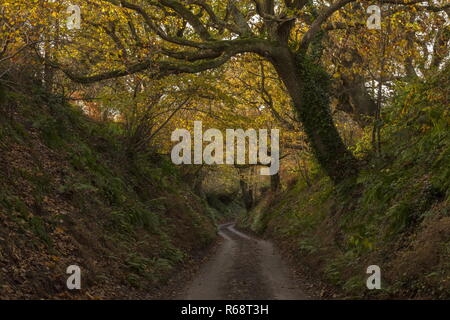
[[244, 268]]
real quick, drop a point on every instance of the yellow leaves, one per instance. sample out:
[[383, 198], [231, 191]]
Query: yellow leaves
[[58, 230], [55, 258]]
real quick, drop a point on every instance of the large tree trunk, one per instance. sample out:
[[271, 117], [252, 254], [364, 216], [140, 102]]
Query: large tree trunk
[[356, 101], [353, 96], [308, 87]]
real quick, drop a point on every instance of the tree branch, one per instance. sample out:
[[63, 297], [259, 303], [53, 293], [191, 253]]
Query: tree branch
[[322, 17]]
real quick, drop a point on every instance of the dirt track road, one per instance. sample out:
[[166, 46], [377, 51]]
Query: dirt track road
[[243, 268]]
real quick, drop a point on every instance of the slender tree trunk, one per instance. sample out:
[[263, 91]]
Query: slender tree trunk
[[275, 182], [307, 84], [247, 192]]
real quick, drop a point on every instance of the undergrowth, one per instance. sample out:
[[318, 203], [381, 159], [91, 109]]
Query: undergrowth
[[395, 215], [69, 192]]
